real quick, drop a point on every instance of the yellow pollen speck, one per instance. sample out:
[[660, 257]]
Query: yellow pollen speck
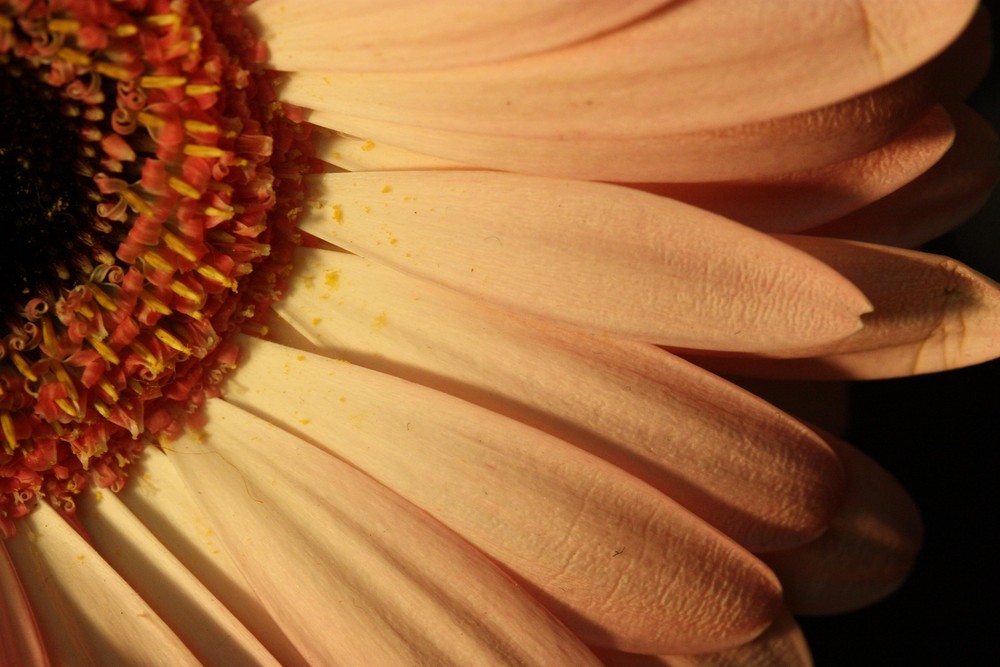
[[380, 322], [338, 213], [316, 321], [301, 357], [342, 399], [304, 422], [386, 188], [98, 496], [393, 241], [332, 279], [368, 209], [368, 145]]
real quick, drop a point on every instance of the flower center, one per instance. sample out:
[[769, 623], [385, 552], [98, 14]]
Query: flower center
[[43, 201], [150, 180]]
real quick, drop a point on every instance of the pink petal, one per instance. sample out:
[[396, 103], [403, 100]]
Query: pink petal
[[618, 562], [777, 58], [781, 645], [354, 574], [21, 643], [943, 198], [86, 612], [600, 257], [800, 200], [161, 500], [868, 550], [735, 461], [931, 314], [402, 35], [201, 621]]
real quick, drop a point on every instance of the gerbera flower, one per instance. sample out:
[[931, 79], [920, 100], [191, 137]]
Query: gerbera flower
[[470, 265]]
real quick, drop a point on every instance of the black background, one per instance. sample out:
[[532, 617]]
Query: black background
[[939, 435]]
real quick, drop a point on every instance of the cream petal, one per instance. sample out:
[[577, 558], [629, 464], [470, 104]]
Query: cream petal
[[868, 550], [87, 613], [388, 35], [777, 58], [201, 621], [618, 562], [781, 645], [161, 500], [734, 460], [600, 257], [931, 314], [355, 575], [21, 642], [355, 154], [947, 195], [749, 151], [804, 199]]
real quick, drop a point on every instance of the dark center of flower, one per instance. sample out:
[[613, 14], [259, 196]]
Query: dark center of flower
[[43, 202], [149, 183]]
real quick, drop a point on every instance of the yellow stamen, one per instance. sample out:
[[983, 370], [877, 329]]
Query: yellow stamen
[[218, 213], [215, 275], [138, 204], [154, 303], [162, 20], [201, 89], [66, 407], [157, 261], [49, 336], [108, 389], [162, 81], [197, 150], [85, 310], [64, 378], [102, 349], [151, 361], [73, 57], [102, 408], [171, 340], [105, 301], [112, 71], [124, 30], [7, 423], [23, 367], [183, 187], [183, 291], [178, 245], [198, 126], [63, 25], [149, 120]]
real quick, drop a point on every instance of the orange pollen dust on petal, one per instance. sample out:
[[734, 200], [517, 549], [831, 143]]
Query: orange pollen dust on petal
[[194, 171]]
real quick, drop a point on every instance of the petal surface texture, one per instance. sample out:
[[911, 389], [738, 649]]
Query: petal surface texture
[[601, 257], [87, 613], [735, 461], [392, 35], [353, 573], [620, 563], [866, 554], [626, 84]]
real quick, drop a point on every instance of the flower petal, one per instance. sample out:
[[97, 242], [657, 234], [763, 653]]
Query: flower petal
[[161, 500], [804, 199], [625, 84], [734, 460], [393, 35], [781, 645], [621, 564], [21, 643], [868, 550], [947, 195], [85, 610], [204, 624], [931, 314], [604, 258], [353, 574]]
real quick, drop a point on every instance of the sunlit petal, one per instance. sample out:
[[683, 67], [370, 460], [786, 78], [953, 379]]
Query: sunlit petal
[[733, 460], [353, 574], [608, 259], [621, 564], [867, 552], [87, 613], [392, 35]]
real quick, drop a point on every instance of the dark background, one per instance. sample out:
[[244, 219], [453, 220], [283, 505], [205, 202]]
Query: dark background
[[940, 436]]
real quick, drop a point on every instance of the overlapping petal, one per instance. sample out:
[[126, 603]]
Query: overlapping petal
[[741, 465], [608, 259]]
